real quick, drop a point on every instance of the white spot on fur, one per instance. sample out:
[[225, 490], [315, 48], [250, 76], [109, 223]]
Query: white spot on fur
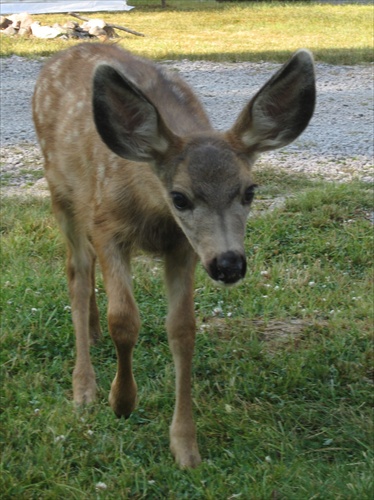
[[101, 172]]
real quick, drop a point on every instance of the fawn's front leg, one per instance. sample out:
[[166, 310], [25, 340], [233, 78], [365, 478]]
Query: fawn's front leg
[[181, 328], [124, 325]]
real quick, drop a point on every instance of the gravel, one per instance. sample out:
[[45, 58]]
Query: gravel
[[337, 145]]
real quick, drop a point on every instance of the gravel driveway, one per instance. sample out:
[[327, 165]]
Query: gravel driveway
[[337, 145]]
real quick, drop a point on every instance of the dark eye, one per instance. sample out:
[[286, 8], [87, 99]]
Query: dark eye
[[249, 194], [181, 202]]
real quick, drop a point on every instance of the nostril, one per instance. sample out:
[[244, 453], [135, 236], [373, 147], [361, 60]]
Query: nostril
[[230, 260], [228, 267]]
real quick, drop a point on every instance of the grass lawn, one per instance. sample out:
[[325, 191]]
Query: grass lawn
[[282, 372], [283, 366], [339, 34]]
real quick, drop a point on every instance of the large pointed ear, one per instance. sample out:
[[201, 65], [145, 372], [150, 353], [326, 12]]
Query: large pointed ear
[[127, 121], [281, 110]]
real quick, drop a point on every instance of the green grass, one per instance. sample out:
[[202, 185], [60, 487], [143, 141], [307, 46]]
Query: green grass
[[282, 375], [338, 34]]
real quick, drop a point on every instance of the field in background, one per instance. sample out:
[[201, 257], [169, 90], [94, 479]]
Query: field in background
[[282, 373], [339, 34]]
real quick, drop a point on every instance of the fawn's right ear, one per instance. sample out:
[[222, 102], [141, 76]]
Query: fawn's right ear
[[128, 123]]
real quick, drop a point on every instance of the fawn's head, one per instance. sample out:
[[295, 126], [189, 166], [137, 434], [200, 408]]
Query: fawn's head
[[207, 176]]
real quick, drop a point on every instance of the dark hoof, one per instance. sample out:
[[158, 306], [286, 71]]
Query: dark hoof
[[126, 417], [95, 337]]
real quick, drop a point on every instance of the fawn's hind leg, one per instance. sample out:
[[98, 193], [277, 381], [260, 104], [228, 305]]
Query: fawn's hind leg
[[123, 322], [94, 328], [80, 272]]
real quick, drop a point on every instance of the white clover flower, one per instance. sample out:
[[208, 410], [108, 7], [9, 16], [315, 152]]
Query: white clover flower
[[228, 408], [101, 486], [312, 283], [60, 438]]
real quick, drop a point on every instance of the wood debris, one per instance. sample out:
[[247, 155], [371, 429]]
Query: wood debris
[[23, 24]]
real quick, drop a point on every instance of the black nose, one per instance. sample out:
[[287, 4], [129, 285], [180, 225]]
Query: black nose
[[228, 267]]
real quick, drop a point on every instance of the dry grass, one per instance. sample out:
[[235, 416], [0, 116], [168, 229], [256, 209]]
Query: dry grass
[[231, 32]]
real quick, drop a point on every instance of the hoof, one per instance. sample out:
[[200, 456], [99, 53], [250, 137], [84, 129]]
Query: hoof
[[123, 402], [95, 337], [186, 453], [187, 459], [126, 417], [84, 388]]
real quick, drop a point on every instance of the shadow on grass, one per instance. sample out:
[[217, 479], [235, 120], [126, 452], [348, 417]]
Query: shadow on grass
[[333, 56], [347, 56]]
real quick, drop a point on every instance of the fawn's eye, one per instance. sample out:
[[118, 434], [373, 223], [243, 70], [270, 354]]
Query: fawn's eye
[[249, 194], [181, 202]]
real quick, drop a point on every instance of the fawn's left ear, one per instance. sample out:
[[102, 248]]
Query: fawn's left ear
[[281, 110]]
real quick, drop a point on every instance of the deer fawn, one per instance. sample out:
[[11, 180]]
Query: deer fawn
[[133, 163]]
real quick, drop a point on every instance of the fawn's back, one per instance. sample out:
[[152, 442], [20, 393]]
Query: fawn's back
[[80, 169]]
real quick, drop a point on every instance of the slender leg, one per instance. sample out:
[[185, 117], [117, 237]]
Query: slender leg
[[181, 328], [79, 271], [124, 325], [95, 330]]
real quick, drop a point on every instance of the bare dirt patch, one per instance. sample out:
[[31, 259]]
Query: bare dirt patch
[[277, 334]]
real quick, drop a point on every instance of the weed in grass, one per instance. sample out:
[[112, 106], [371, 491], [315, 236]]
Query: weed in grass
[[282, 385]]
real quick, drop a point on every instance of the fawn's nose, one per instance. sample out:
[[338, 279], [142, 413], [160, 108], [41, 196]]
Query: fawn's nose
[[228, 267]]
